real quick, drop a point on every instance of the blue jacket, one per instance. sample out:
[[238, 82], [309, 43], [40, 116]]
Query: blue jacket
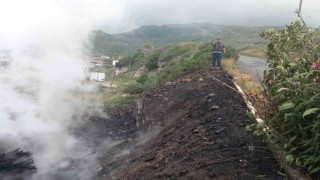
[[217, 47]]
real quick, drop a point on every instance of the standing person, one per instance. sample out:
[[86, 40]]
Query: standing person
[[217, 50]]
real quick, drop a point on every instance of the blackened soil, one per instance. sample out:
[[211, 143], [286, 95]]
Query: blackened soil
[[16, 164], [201, 125], [119, 125]]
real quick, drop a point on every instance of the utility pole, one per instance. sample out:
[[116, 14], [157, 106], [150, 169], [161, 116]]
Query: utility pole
[[298, 11], [300, 6]]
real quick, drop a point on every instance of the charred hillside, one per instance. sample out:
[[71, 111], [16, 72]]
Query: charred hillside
[[192, 127]]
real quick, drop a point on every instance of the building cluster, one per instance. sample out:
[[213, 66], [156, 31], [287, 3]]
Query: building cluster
[[101, 61], [97, 76], [94, 64]]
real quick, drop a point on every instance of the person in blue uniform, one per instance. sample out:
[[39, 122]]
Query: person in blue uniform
[[217, 50]]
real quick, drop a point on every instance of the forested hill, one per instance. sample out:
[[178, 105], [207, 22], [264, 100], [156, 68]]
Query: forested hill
[[238, 36]]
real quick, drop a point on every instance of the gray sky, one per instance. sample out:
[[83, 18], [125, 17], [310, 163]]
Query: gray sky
[[235, 12], [20, 17]]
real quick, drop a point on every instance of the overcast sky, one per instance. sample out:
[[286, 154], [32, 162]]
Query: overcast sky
[[235, 12], [115, 16]]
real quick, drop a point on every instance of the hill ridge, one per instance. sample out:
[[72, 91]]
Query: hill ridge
[[122, 43]]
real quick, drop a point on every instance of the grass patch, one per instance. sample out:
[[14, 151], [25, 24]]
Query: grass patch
[[245, 81], [198, 60], [174, 51], [118, 100], [229, 65], [255, 51]]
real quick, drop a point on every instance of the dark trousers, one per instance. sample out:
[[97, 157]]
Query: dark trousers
[[216, 59]]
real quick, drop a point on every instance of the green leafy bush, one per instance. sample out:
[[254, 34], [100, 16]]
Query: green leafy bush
[[231, 52], [133, 88], [152, 60], [131, 59], [293, 87], [142, 79], [198, 60]]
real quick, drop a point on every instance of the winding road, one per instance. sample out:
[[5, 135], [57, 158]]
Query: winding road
[[252, 66]]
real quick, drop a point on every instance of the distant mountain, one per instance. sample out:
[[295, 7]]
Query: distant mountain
[[238, 36]]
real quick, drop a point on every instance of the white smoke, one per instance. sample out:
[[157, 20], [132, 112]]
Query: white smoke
[[40, 90]]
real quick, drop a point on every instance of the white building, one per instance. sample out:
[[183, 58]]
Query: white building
[[97, 76], [114, 62]]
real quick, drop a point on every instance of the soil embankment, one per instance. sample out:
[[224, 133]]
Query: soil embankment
[[198, 126]]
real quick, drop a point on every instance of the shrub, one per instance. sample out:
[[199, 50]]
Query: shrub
[[131, 59], [231, 52], [142, 79], [152, 60], [133, 88], [294, 90], [184, 66]]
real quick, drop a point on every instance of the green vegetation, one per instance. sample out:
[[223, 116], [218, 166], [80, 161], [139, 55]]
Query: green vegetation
[[159, 36], [133, 58], [142, 79], [117, 100], [198, 60], [293, 89], [176, 50], [231, 52], [175, 60], [152, 60], [133, 88]]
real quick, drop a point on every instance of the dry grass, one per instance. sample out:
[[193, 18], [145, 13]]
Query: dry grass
[[244, 80], [252, 89]]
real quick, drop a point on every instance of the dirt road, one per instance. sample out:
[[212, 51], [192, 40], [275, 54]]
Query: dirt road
[[198, 127]]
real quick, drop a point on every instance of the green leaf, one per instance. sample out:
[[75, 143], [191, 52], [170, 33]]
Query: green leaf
[[292, 139], [260, 125], [293, 149], [298, 162], [284, 89], [281, 68], [289, 117], [286, 106], [310, 111], [315, 170], [308, 142], [250, 115], [310, 159], [289, 158], [315, 96], [318, 159]]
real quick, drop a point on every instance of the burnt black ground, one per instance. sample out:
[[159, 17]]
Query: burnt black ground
[[194, 127], [16, 164], [202, 135]]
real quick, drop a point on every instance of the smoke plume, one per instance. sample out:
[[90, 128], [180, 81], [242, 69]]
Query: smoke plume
[[42, 87]]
